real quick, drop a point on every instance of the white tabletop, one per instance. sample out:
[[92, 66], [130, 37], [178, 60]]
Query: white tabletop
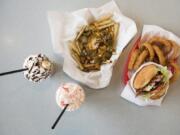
[[30, 109]]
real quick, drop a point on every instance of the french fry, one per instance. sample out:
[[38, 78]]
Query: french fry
[[94, 44]]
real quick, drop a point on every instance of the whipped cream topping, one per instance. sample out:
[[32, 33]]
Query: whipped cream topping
[[39, 67], [70, 93]]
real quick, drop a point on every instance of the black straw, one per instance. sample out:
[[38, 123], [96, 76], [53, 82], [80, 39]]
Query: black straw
[[59, 117], [14, 71]]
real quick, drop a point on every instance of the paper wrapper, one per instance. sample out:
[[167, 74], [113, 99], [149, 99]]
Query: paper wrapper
[[148, 32], [129, 92], [64, 27]]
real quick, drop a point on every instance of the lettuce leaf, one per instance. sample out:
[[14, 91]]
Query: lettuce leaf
[[165, 72], [146, 96], [148, 88]]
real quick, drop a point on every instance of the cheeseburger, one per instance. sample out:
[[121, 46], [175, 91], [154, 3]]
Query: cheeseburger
[[151, 81]]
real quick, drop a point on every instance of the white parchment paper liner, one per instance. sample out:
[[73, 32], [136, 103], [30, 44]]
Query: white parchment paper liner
[[149, 31], [64, 27]]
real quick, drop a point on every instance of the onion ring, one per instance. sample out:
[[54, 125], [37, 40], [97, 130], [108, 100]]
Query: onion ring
[[175, 50], [160, 41], [160, 55], [176, 72], [133, 58], [150, 49], [141, 59]]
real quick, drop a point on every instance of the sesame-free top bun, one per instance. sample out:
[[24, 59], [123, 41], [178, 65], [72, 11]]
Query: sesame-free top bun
[[144, 76]]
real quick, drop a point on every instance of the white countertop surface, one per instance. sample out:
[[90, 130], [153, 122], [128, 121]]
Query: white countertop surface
[[30, 109]]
